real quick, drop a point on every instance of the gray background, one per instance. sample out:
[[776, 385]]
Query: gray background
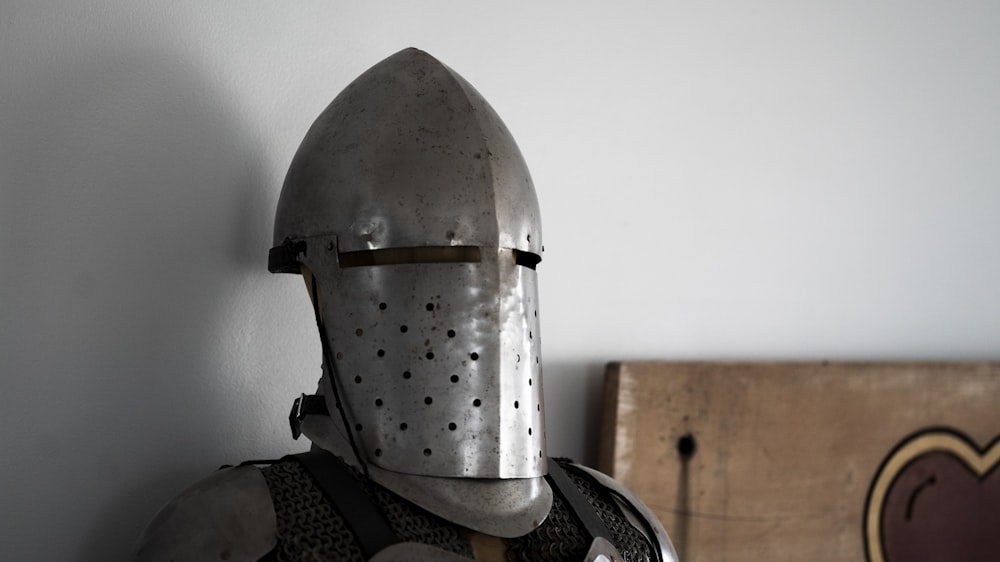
[[718, 180]]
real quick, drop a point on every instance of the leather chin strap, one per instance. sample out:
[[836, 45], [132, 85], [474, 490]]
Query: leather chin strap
[[365, 519], [306, 405], [578, 504]]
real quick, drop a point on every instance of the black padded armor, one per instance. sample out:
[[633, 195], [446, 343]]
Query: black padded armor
[[309, 527]]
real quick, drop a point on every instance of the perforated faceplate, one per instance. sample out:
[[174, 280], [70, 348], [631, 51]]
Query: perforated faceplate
[[439, 363]]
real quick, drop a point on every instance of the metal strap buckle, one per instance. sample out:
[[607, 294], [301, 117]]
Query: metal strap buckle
[[305, 405]]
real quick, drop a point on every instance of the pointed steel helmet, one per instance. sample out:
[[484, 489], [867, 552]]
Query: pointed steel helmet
[[411, 206]]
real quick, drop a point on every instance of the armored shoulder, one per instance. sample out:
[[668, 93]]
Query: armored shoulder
[[640, 515], [227, 516]]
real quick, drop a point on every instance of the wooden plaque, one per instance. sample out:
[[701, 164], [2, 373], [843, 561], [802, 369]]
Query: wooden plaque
[[804, 461]]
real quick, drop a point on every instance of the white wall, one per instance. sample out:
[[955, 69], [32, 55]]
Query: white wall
[[718, 180]]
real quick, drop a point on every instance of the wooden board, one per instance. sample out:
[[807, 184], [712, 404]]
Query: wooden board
[[784, 454]]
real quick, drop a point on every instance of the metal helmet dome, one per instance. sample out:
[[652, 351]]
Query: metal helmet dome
[[410, 155]]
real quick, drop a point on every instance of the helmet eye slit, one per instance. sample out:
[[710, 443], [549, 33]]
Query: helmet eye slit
[[418, 254]]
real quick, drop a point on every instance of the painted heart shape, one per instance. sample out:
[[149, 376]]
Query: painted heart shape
[[936, 497]]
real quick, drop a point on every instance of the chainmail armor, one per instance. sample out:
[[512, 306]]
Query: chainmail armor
[[308, 526], [310, 529], [561, 538]]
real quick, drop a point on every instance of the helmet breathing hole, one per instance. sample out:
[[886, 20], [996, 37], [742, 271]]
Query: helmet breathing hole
[[474, 356], [529, 431], [359, 332], [529, 382], [357, 427], [454, 378], [430, 355], [451, 333], [380, 353], [477, 402], [406, 374], [452, 426], [403, 328], [517, 404], [357, 379], [378, 402], [427, 452], [378, 452], [403, 426], [430, 307], [383, 306], [428, 400]]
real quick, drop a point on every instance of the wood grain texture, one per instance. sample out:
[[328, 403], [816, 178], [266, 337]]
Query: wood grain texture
[[785, 452]]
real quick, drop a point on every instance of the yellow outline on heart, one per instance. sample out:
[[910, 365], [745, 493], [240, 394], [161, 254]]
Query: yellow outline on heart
[[931, 441]]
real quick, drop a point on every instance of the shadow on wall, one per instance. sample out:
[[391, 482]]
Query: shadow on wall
[[573, 423], [130, 206]]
